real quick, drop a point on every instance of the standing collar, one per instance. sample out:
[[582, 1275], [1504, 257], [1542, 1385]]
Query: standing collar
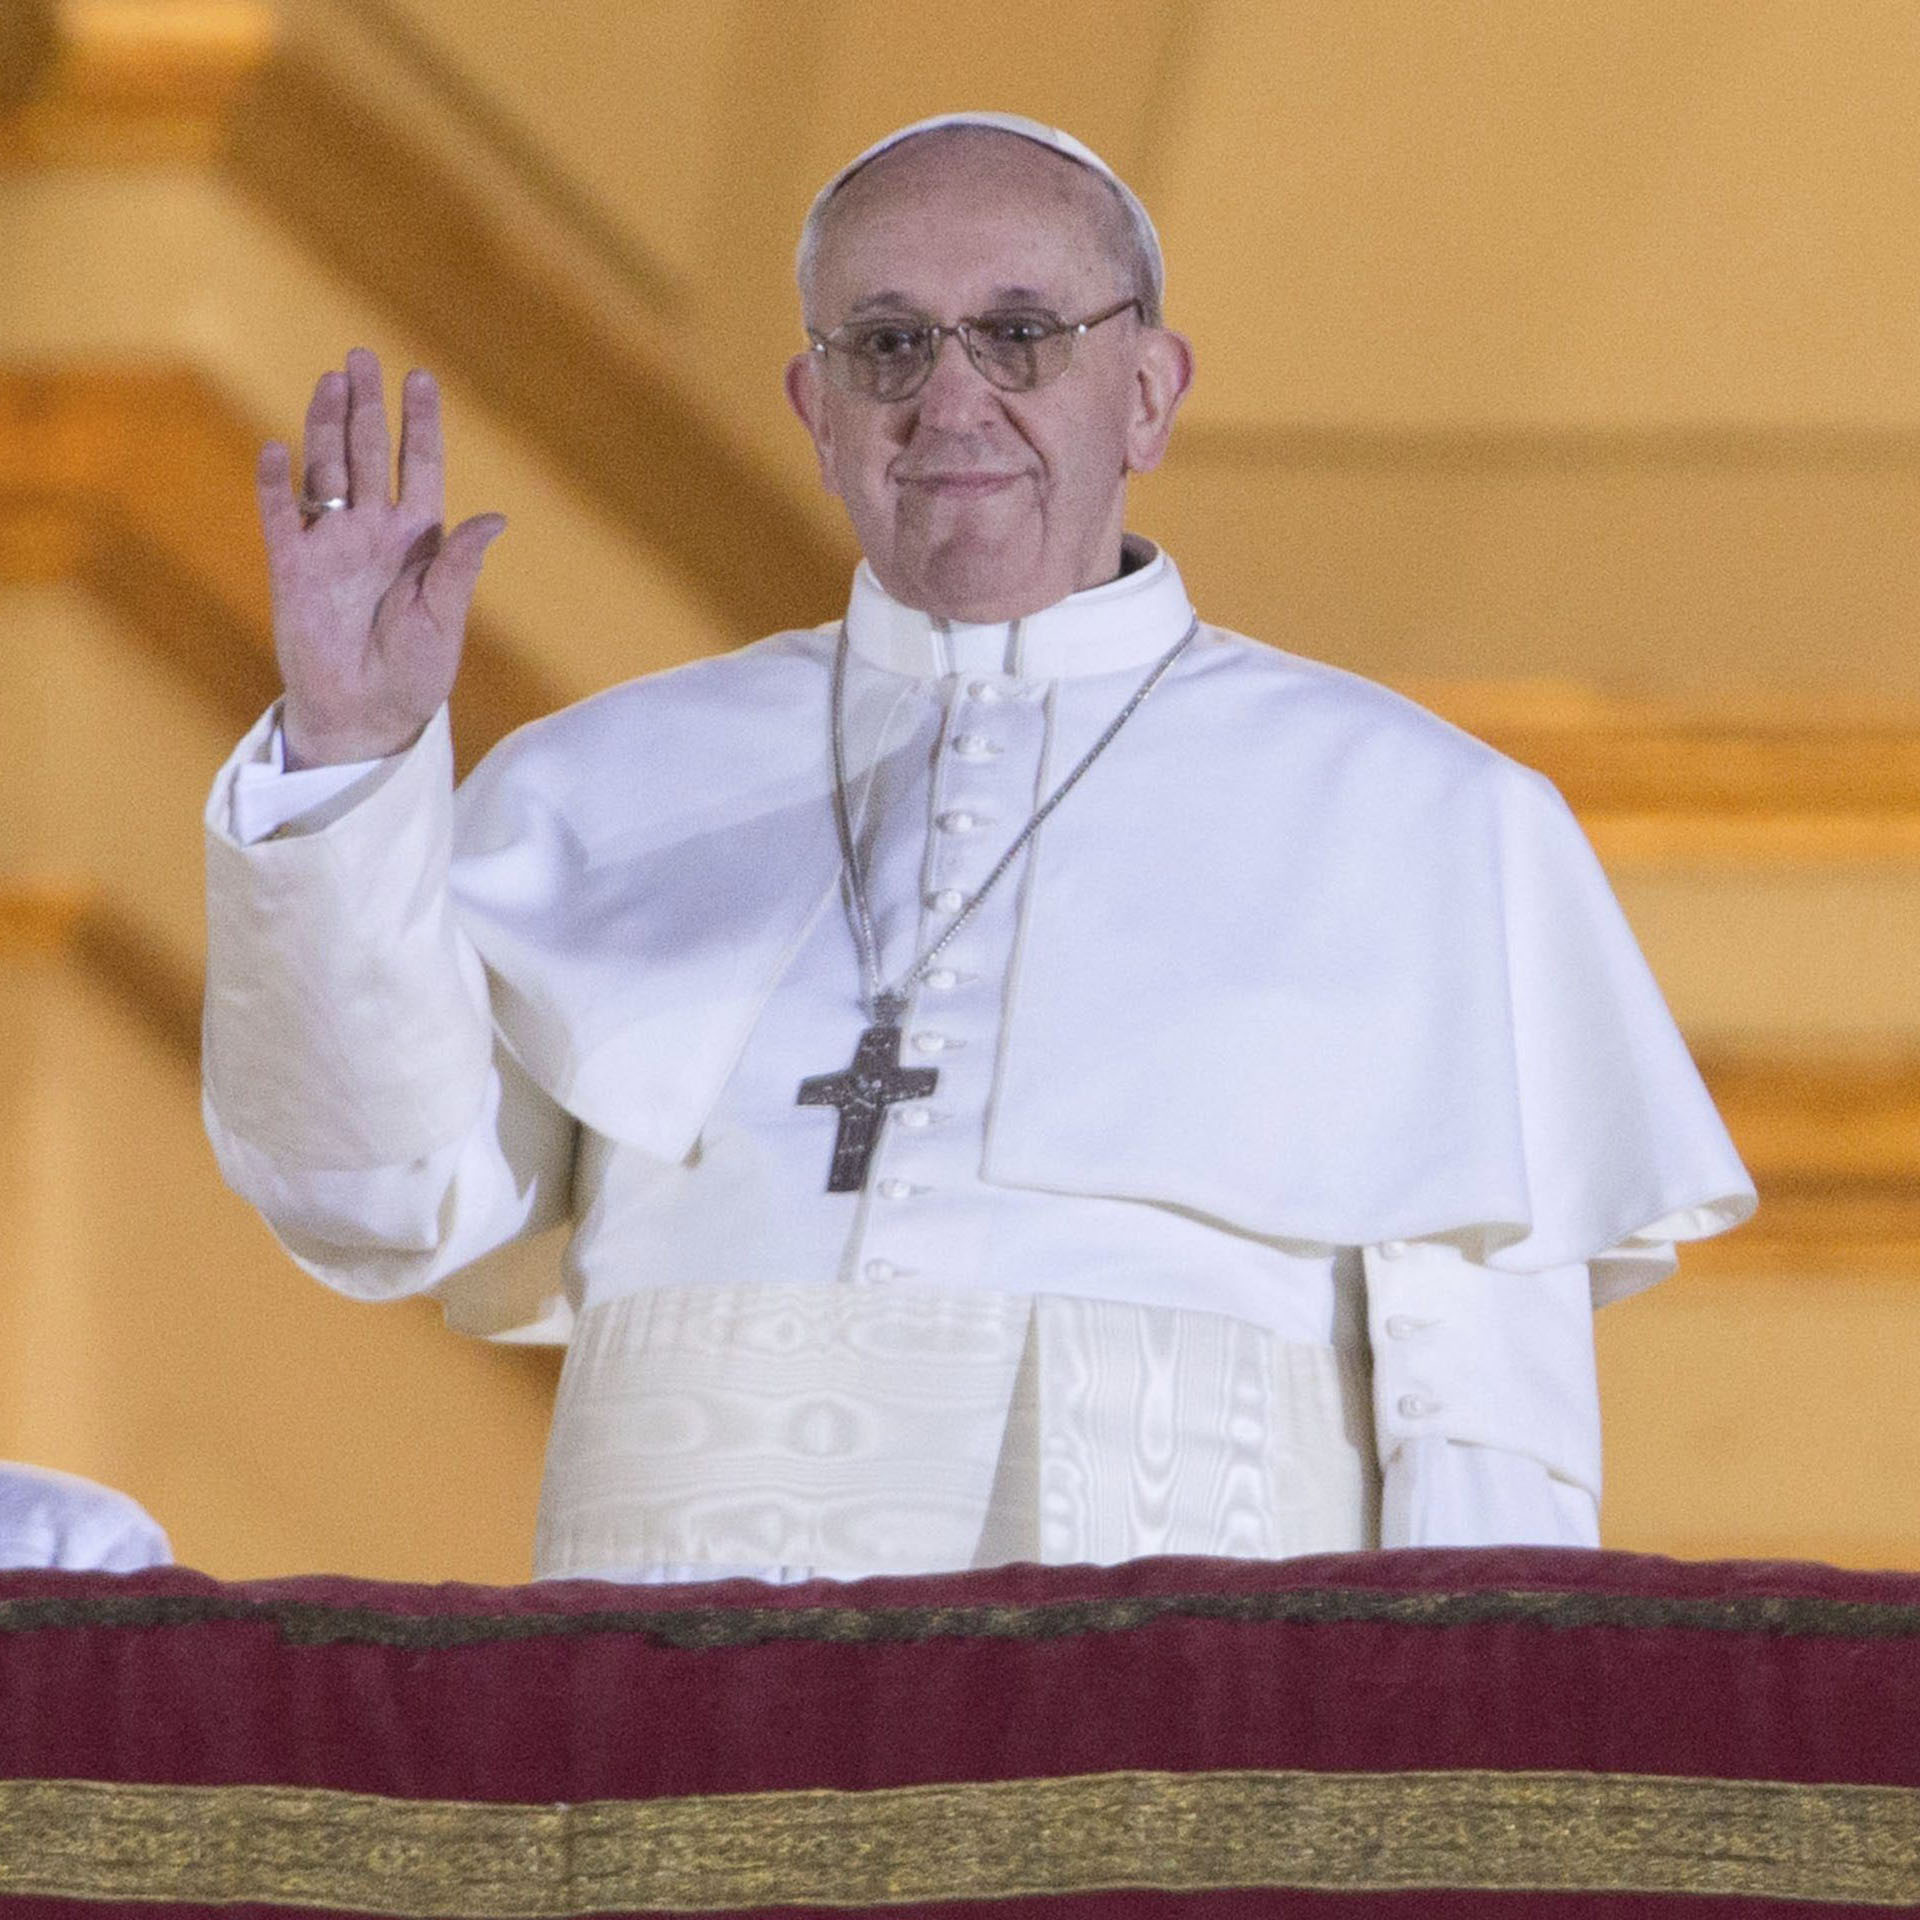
[[1125, 623]]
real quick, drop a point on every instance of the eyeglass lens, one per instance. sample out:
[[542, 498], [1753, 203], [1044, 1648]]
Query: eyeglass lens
[[890, 359]]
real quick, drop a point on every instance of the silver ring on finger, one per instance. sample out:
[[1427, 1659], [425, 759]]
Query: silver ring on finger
[[313, 508]]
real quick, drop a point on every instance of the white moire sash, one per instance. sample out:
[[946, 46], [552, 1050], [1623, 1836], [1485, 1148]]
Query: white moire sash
[[848, 1430]]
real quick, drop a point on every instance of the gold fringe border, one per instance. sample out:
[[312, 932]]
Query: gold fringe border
[[972, 1840]]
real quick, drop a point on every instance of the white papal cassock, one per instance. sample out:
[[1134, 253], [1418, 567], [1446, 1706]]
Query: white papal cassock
[[1300, 1089]]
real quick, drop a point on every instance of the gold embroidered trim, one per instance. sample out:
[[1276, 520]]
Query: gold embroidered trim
[[310, 1623], [1339, 1832]]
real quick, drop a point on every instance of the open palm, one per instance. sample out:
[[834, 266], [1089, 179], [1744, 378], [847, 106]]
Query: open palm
[[370, 597]]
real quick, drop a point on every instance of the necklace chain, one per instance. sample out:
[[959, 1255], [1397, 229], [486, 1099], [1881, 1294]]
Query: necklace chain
[[884, 1004]]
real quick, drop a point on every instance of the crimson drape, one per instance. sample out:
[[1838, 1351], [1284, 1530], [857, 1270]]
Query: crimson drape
[[1413, 1733]]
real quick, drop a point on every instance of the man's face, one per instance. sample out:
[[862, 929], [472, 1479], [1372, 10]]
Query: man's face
[[969, 502]]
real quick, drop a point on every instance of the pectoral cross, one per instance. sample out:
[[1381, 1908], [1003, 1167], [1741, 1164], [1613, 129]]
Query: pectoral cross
[[875, 1081]]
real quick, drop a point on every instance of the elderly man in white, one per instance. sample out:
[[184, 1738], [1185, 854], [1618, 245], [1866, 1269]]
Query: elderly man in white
[[1030, 1075]]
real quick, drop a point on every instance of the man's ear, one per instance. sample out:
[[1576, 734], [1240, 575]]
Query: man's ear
[[1161, 380], [805, 397]]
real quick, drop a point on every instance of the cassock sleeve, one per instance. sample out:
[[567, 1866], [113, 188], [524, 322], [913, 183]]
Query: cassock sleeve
[[1486, 1406], [1446, 1493], [353, 1089]]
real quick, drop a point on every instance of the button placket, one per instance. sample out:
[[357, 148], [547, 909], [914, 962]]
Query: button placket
[[968, 791], [928, 1150]]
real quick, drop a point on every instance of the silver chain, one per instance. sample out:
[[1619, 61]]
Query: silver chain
[[886, 1004]]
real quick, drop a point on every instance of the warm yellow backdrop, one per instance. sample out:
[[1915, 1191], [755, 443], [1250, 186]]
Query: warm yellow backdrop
[[1560, 363]]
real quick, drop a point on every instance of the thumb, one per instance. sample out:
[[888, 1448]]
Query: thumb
[[448, 582]]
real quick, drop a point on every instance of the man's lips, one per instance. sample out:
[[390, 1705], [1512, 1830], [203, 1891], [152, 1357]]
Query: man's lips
[[957, 482]]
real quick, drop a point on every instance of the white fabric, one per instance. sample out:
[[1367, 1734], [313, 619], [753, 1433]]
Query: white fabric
[[846, 1430], [1467, 1353], [52, 1519], [267, 796], [1446, 1491], [1403, 1006]]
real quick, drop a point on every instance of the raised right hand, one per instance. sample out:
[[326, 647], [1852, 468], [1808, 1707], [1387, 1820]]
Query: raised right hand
[[369, 601]]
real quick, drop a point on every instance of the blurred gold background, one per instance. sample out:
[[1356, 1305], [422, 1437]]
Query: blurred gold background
[[1559, 363]]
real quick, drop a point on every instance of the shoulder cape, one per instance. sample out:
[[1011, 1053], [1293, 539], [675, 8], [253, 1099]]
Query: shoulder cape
[[1301, 958]]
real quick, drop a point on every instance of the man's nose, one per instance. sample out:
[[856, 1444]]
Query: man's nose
[[955, 390]]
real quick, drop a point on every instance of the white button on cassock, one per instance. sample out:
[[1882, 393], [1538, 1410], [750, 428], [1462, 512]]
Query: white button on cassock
[[929, 1042], [1392, 1249], [974, 746], [1416, 1406], [1402, 1326], [985, 692], [943, 979], [958, 821], [879, 1270], [915, 1117], [896, 1189], [947, 900]]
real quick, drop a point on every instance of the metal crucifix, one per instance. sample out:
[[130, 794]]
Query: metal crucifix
[[863, 1092]]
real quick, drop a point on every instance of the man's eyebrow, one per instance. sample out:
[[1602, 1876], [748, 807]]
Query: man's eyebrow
[[890, 301], [887, 302]]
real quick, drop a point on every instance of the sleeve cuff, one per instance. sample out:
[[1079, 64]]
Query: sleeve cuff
[[1498, 1361], [1446, 1493], [266, 800]]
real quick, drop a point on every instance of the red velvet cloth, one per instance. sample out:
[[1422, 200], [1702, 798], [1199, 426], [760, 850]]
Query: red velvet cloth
[[1510, 1660]]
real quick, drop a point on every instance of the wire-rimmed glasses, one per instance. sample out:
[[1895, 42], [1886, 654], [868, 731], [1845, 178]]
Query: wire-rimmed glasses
[[1016, 349]]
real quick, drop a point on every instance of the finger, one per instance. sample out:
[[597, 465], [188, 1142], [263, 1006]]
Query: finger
[[279, 518], [324, 441], [448, 583], [423, 474], [369, 449]]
